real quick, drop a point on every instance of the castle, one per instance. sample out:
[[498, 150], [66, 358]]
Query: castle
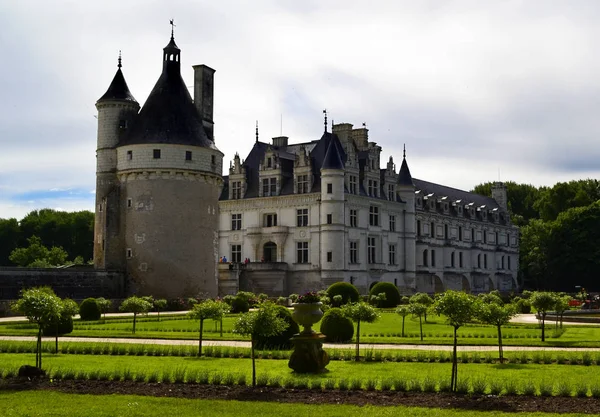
[[289, 217]]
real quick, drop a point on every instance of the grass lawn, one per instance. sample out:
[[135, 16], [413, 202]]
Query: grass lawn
[[386, 330], [39, 403]]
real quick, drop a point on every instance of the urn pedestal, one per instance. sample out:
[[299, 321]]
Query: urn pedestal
[[308, 355]]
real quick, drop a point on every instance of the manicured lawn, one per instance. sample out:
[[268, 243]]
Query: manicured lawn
[[39, 403], [386, 330]]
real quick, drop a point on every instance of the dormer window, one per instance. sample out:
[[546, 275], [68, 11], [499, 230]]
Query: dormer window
[[419, 202], [269, 162], [432, 204]]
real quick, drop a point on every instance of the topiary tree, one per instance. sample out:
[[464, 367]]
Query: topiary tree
[[159, 305], [562, 305], [403, 312], [89, 310], [240, 305], [457, 306], [422, 298], [281, 340], [522, 305], [135, 305], [104, 306], [42, 307], [348, 292], [543, 302], [261, 323], [392, 295], [419, 310], [494, 312], [207, 309], [336, 326], [358, 312]]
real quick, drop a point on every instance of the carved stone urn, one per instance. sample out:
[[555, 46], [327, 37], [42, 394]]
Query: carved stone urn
[[307, 314]]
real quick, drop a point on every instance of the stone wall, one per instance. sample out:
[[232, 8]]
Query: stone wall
[[75, 282]]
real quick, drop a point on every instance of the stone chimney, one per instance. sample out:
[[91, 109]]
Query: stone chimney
[[280, 141], [203, 96], [500, 195]]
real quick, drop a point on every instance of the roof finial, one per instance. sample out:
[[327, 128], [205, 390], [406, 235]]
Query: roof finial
[[172, 23], [257, 131], [119, 64], [325, 113], [404, 152]]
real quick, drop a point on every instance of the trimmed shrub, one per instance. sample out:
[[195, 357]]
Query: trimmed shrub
[[348, 292], [282, 340], [392, 295], [336, 327], [240, 305], [523, 306], [65, 326], [89, 310]]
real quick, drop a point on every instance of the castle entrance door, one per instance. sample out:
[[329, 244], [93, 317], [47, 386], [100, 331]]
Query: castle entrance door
[[270, 252]]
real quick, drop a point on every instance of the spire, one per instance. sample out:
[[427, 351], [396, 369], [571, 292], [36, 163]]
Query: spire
[[118, 89], [172, 23], [404, 177], [171, 54], [257, 131], [325, 115], [333, 159]]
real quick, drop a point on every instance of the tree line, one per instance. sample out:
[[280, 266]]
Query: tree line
[[560, 233]]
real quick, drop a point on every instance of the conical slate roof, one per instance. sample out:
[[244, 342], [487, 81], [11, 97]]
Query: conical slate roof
[[169, 115], [333, 159], [118, 89], [404, 177]]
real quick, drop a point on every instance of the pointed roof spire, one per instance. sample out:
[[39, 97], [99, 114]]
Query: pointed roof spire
[[325, 115], [257, 131], [333, 159], [118, 89], [172, 23], [404, 177]]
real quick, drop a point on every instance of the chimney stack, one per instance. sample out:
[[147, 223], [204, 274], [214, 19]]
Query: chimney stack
[[203, 96]]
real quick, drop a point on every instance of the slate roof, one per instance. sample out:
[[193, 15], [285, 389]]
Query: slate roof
[[118, 89], [454, 194], [333, 159], [404, 177]]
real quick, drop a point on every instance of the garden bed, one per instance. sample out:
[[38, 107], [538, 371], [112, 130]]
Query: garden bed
[[506, 403]]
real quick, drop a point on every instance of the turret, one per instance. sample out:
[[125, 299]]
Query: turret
[[500, 195], [406, 192], [117, 110]]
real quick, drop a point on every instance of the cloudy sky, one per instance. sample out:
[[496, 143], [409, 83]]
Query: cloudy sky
[[478, 90]]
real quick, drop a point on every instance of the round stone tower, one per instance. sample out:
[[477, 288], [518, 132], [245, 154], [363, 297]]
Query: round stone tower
[[117, 110], [169, 176]]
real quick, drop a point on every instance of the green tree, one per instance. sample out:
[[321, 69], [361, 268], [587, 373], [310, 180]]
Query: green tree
[[562, 305], [360, 312], [42, 307], [207, 309], [403, 312], [418, 309], [10, 236], [37, 255], [492, 311], [104, 305], [457, 307], [159, 305], [263, 322], [543, 302], [521, 199], [135, 305], [533, 252], [68, 308], [424, 299]]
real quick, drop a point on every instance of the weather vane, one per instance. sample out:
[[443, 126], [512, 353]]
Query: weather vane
[[119, 65], [172, 23], [325, 113]]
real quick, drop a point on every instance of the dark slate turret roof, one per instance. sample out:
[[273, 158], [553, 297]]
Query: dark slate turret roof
[[118, 89], [404, 177], [333, 158], [169, 115]]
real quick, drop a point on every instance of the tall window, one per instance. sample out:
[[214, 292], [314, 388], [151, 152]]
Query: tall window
[[353, 252], [460, 233], [425, 257], [236, 253], [269, 187], [329, 218], [329, 256], [452, 259], [472, 234], [432, 229], [508, 260], [460, 259], [432, 257], [236, 190], [370, 188], [392, 223], [484, 236], [371, 250], [374, 216], [270, 220], [479, 260], [418, 227], [392, 254], [502, 264], [269, 162], [302, 217], [353, 184], [376, 188], [353, 218], [302, 252], [302, 184], [329, 188], [236, 221], [391, 192], [446, 231], [485, 261]]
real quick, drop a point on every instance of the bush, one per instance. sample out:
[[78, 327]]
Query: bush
[[348, 292], [65, 326], [336, 327], [240, 305], [392, 295], [523, 306], [89, 310], [282, 340]]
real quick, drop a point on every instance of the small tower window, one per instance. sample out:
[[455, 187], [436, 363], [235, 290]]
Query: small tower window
[[122, 124], [329, 188], [156, 153], [213, 160], [188, 155], [129, 155], [129, 253], [329, 256], [329, 218], [129, 203]]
